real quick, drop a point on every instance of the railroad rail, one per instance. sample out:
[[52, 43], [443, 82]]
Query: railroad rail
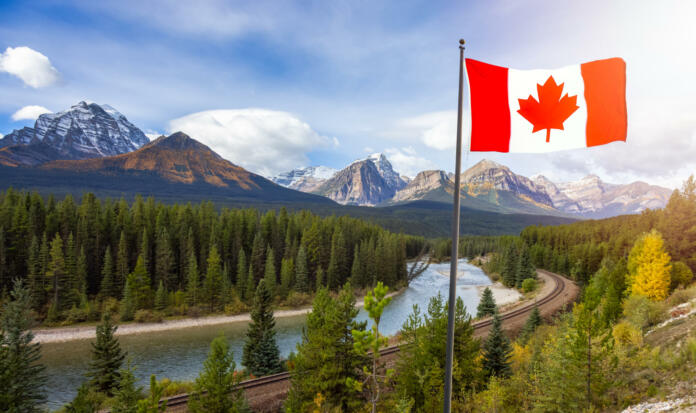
[[561, 287]]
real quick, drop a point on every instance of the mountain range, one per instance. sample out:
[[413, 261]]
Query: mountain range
[[94, 148], [487, 186]]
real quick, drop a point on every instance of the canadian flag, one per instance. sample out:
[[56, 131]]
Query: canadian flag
[[546, 110]]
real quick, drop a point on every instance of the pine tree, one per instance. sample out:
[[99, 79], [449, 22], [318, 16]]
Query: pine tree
[[161, 297], [87, 400], [356, 271], [372, 340], [509, 272], [57, 273], [497, 351], [108, 283], [261, 355], [4, 270], [487, 304], [242, 274], [35, 275], [326, 357], [287, 267], [71, 296], [193, 282], [127, 303], [531, 324], [122, 268], [525, 269], [269, 271], [153, 403], [213, 279], [320, 279], [164, 260], [139, 284], [301, 272], [127, 396], [216, 388], [21, 374], [107, 358], [80, 286], [250, 284], [257, 257]]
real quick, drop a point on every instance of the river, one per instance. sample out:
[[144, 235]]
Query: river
[[179, 354]]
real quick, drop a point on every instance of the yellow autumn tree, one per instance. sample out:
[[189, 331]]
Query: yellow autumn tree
[[649, 267]]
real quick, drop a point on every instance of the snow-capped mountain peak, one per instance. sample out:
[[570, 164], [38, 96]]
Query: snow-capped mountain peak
[[85, 130]]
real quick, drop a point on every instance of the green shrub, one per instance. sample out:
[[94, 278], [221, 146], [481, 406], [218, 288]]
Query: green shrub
[[194, 311], [172, 388], [642, 312], [147, 316], [76, 315], [110, 305], [236, 307], [529, 285], [296, 299]]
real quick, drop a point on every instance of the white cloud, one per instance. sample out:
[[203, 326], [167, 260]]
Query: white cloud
[[407, 162], [32, 67], [436, 130], [263, 141], [152, 134], [1, 135], [30, 112]]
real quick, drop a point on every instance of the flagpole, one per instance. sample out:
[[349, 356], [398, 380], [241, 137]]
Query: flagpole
[[455, 242]]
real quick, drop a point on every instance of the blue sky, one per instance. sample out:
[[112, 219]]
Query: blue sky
[[327, 82]]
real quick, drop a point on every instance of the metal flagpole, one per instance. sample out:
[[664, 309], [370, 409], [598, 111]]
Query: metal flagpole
[[455, 242]]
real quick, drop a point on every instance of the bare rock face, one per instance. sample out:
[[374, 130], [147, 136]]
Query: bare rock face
[[488, 176], [423, 184], [560, 200], [368, 182], [358, 184], [84, 131]]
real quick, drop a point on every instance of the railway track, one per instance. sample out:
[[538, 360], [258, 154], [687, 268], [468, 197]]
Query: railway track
[[561, 287]]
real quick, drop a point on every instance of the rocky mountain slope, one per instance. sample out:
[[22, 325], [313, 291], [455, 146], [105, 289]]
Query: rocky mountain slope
[[593, 198], [367, 181], [86, 130], [174, 167]]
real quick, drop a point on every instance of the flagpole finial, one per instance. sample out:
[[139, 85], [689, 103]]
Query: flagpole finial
[[461, 42]]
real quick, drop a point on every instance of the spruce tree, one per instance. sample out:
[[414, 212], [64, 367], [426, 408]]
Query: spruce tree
[[127, 303], [57, 273], [510, 264], [242, 272], [139, 283], [356, 271], [261, 356], [287, 267], [216, 388], [326, 357], [4, 270], [80, 286], [497, 351], [164, 260], [122, 268], [320, 279], [108, 286], [269, 273], [35, 275], [525, 269], [250, 284], [487, 304], [161, 297], [107, 358], [193, 281], [257, 257], [128, 393], [213, 279], [531, 324], [21, 374], [301, 272]]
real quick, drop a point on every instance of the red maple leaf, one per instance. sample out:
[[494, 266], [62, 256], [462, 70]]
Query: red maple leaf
[[551, 110]]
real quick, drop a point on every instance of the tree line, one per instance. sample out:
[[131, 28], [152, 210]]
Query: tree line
[[77, 258]]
